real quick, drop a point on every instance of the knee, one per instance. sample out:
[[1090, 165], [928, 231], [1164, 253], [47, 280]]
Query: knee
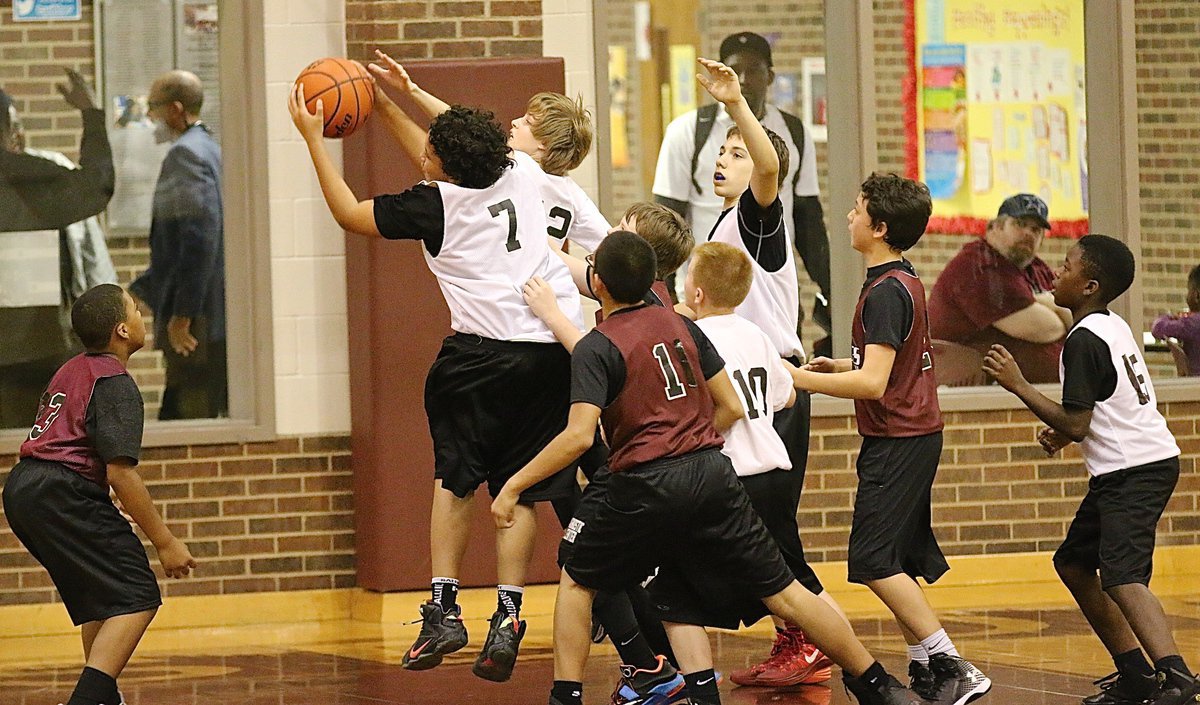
[[1072, 574]]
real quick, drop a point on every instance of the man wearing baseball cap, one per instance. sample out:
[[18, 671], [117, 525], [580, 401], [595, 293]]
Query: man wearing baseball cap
[[683, 177], [997, 290]]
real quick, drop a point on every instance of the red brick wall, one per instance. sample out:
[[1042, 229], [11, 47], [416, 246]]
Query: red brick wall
[[444, 29], [258, 517]]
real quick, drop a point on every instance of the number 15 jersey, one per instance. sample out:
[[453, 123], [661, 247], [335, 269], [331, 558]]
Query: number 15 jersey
[[483, 245]]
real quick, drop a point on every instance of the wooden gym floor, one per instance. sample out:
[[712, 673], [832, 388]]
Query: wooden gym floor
[[345, 648]]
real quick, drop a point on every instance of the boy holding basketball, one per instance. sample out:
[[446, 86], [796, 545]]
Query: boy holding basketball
[[480, 219], [555, 130], [87, 437], [1109, 408]]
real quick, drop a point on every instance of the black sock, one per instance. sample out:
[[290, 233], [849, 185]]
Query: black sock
[[508, 600], [1176, 671], [1133, 663], [702, 687], [445, 593], [95, 688], [567, 692], [634, 650], [873, 678]]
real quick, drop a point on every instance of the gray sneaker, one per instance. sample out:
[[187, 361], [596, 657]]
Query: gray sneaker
[[956, 680]]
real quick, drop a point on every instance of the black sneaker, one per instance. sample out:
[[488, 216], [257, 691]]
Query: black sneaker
[[1121, 689], [1180, 690], [921, 680], [499, 654], [890, 692], [956, 680], [441, 633]]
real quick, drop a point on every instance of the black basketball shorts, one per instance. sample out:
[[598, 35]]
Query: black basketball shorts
[[492, 406], [71, 527], [690, 518], [1113, 530], [892, 531]]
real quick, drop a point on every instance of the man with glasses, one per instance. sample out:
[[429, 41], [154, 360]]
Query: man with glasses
[[997, 290]]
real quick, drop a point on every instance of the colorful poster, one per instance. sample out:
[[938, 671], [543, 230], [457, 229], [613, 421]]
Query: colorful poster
[[997, 107]]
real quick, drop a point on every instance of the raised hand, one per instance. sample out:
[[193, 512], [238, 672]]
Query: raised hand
[[720, 81], [387, 71], [76, 91], [310, 125]]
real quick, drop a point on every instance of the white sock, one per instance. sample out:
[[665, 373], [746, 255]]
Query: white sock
[[939, 643], [917, 652]]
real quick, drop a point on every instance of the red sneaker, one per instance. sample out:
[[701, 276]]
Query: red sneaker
[[793, 661]]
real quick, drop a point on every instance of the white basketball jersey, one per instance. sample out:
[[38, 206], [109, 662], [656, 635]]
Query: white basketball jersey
[[572, 214], [773, 303], [762, 383], [495, 241], [1126, 429]]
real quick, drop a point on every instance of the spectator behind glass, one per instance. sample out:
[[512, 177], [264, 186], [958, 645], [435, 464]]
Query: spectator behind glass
[[997, 290], [185, 283], [37, 194], [1184, 327]]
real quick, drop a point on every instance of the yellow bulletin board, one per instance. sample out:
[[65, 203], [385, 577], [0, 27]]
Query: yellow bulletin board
[[995, 105]]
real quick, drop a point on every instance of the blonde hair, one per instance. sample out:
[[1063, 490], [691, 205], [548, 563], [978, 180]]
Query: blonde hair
[[723, 272], [666, 231], [564, 126]]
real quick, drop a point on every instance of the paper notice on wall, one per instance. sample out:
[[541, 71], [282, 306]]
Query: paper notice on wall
[[196, 43], [29, 269]]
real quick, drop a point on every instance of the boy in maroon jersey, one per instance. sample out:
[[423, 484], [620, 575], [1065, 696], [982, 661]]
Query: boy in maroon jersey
[[86, 438], [890, 377], [659, 388]]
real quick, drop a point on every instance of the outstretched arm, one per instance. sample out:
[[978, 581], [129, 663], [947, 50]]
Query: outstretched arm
[[350, 213], [1072, 423], [390, 73], [722, 83], [402, 127], [868, 382]]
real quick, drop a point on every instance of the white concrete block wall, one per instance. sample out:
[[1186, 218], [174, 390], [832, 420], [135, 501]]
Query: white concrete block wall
[[567, 32], [308, 269]]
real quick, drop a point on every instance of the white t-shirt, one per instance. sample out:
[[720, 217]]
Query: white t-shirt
[[572, 215], [1126, 429], [673, 180], [773, 303], [494, 242], [763, 384]]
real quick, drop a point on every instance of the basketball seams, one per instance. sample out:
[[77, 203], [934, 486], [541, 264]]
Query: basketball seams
[[323, 72]]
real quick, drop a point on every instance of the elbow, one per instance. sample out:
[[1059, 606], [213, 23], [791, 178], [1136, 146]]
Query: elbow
[[580, 440], [1077, 434], [875, 389]]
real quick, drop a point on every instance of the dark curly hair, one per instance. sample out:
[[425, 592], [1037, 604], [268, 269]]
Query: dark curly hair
[[904, 204], [471, 145]]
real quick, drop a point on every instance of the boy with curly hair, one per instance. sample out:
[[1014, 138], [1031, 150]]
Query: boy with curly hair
[[480, 219]]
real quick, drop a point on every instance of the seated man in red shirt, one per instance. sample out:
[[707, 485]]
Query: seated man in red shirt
[[997, 290]]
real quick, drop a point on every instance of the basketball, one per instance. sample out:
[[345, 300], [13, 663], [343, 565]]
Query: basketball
[[345, 90]]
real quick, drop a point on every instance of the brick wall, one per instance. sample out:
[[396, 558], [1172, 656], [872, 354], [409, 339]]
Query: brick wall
[[258, 517], [444, 29]]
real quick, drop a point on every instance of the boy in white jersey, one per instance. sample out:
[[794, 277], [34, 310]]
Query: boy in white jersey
[[1109, 408], [480, 219], [749, 172], [556, 131]]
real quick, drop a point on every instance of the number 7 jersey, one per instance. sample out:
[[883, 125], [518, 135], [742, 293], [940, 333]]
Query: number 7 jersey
[[494, 242]]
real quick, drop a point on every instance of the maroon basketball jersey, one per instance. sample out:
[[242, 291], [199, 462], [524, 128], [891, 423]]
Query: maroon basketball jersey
[[664, 410], [909, 406], [659, 295], [60, 432]]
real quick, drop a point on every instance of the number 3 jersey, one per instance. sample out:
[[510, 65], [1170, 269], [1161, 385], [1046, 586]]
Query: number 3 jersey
[[764, 386], [1102, 369], [90, 413], [483, 245], [645, 367]]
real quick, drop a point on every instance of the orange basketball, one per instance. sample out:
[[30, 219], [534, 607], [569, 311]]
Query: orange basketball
[[345, 90]]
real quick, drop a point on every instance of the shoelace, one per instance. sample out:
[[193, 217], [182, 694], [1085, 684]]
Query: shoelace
[[781, 652]]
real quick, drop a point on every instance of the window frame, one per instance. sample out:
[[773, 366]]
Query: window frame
[[249, 317]]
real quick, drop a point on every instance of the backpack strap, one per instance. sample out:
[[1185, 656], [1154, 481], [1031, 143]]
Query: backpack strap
[[795, 127], [706, 116]]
